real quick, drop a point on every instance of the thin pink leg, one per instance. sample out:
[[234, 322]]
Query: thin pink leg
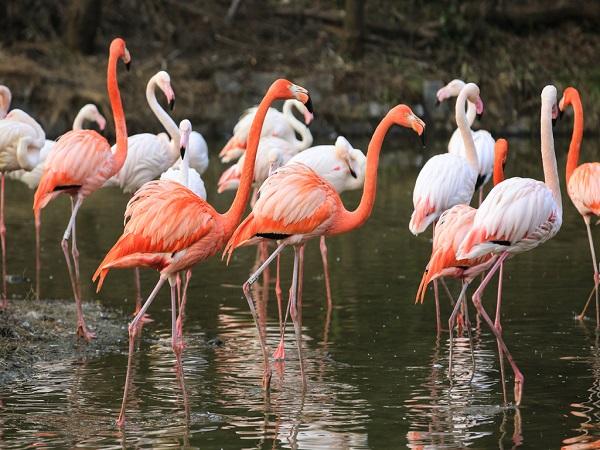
[[323, 246], [586, 219], [38, 259], [438, 317], [82, 329], [180, 344], [452, 323], [134, 329], [279, 353], [499, 328], [266, 381], [519, 379], [300, 277], [173, 285], [295, 312], [3, 240], [75, 251]]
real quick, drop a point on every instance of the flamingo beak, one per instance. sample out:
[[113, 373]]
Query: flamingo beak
[[172, 103], [479, 108], [128, 66], [309, 105]]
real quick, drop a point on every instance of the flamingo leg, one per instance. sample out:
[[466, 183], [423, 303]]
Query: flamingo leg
[[300, 278], [296, 312], [519, 379], [279, 353], [248, 294], [82, 329], [586, 219], [467, 325], [75, 251], [38, 259], [134, 329], [3, 241], [323, 247], [452, 323], [438, 317], [499, 328], [180, 344], [173, 284]]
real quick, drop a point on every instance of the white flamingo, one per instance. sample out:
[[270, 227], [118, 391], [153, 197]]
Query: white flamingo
[[21, 140], [484, 142], [5, 99], [283, 125], [517, 215]]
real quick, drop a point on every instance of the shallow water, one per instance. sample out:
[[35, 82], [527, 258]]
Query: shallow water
[[377, 373]]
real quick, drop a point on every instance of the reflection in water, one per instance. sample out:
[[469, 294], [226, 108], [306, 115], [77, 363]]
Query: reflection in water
[[588, 412], [457, 413]]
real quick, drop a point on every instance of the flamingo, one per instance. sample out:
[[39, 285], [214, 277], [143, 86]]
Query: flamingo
[[197, 149], [5, 99], [447, 179], [32, 178], [79, 164], [21, 140], [283, 125], [295, 204], [170, 228], [517, 215], [451, 229], [484, 142], [583, 182]]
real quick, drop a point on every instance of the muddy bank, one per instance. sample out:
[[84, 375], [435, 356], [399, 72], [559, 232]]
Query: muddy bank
[[43, 331]]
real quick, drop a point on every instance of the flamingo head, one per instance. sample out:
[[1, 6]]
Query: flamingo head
[[404, 116], [92, 114], [185, 129], [452, 89], [343, 150], [549, 95], [5, 99], [500, 152], [570, 96], [284, 89], [119, 49], [472, 91], [163, 81]]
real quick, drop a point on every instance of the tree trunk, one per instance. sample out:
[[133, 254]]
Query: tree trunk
[[354, 26], [83, 19]]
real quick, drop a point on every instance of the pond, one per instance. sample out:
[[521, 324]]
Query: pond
[[377, 372]]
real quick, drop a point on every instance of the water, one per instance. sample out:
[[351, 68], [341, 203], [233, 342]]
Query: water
[[377, 373]]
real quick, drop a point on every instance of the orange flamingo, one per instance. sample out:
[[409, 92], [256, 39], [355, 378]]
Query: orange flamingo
[[583, 183], [295, 204], [451, 229], [171, 229], [79, 164]]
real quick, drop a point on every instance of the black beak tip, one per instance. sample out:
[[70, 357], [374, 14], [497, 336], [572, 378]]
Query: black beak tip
[[309, 106], [422, 137], [479, 116], [128, 66], [172, 104], [560, 114], [437, 103], [182, 152], [554, 122], [353, 173]]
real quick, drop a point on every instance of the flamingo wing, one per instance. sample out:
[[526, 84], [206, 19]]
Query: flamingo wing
[[292, 201], [584, 188], [517, 215], [161, 219], [444, 181]]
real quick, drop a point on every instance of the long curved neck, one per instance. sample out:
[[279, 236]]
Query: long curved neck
[[471, 113], [575, 145], [350, 220], [163, 117], [548, 155], [79, 118], [465, 130], [306, 137], [498, 170], [185, 168], [117, 109], [235, 211]]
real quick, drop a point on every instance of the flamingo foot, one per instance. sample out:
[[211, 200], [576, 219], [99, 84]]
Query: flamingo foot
[[121, 421], [279, 353], [84, 332]]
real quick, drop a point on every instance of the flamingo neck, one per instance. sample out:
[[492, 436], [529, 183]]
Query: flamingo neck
[[185, 169], [164, 118], [81, 116], [306, 137], [548, 155], [465, 130], [498, 170], [350, 220], [235, 211], [471, 113], [120, 153], [576, 138]]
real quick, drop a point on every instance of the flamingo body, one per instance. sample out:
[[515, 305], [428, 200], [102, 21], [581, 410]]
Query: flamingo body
[[484, 147], [584, 189], [21, 140], [195, 183]]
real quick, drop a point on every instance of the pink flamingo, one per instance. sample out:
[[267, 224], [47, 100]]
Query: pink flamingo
[[447, 179], [5, 99], [583, 183], [21, 141], [295, 205], [79, 164], [451, 229], [517, 215], [171, 229]]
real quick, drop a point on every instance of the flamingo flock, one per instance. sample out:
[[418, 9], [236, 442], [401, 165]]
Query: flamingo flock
[[293, 190]]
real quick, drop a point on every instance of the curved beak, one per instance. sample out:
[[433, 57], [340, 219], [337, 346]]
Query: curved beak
[[479, 108], [172, 103], [128, 66], [309, 105]]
